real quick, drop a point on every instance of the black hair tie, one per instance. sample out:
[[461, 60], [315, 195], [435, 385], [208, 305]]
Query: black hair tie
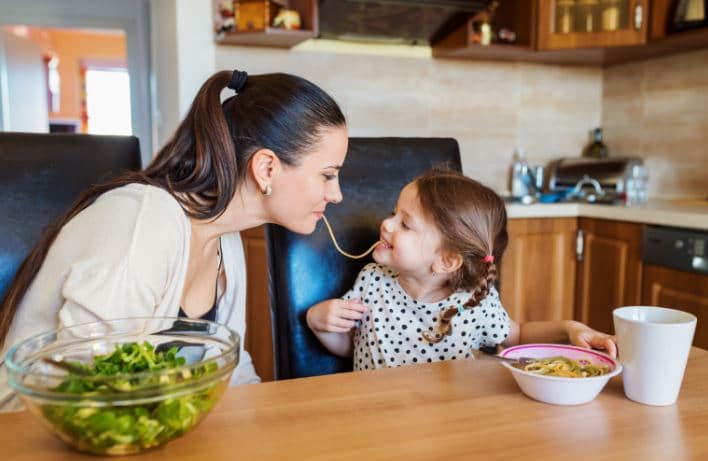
[[238, 81]]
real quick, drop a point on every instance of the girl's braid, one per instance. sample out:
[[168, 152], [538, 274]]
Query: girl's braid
[[479, 292]]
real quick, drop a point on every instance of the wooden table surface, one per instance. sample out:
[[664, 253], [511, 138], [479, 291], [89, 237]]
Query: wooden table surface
[[449, 410]]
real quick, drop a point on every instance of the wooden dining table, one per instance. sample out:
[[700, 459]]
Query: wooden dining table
[[465, 409]]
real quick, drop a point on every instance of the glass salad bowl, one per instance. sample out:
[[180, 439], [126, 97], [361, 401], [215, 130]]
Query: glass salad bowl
[[123, 386]]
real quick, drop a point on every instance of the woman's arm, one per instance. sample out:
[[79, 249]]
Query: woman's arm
[[571, 331], [332, 322]]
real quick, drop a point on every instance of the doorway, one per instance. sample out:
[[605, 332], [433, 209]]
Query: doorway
[[129, 19], [67, 80]]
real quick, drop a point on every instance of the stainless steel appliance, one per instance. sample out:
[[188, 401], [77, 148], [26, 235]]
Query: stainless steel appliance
[[591, 179]]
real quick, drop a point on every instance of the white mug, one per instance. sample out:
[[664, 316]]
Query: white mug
[[653, 344]]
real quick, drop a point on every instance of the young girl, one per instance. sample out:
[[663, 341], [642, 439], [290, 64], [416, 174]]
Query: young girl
[[430, 295]]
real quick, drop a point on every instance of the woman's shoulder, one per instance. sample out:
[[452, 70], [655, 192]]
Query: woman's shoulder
[[133, 219], [137, 195], [136, 205]]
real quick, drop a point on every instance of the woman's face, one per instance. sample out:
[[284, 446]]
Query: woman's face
[[409, 242], [301, 193]]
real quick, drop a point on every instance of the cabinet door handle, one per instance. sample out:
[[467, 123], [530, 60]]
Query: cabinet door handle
[[579, 244]]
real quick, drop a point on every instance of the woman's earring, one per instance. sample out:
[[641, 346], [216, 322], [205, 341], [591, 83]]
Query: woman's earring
[[267, 190]]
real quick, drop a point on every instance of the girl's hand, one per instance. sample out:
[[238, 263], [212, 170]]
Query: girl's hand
[[582, 335], [335, 315]]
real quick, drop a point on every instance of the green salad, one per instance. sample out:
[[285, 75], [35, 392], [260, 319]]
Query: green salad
[[130, 428]]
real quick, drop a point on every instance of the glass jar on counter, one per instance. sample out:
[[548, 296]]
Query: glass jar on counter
[[637, 185], [587, 18], [565, 14]]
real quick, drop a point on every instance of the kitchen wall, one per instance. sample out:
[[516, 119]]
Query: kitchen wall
[[658, 109], [488, 107]]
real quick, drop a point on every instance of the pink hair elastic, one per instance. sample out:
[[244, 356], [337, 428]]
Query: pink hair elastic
[[489, 259]]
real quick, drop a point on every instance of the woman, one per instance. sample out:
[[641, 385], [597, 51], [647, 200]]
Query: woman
[[164, 241]]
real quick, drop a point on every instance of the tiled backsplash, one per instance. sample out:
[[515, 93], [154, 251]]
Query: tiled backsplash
[[658, 110], [653, 109], [488, 107]]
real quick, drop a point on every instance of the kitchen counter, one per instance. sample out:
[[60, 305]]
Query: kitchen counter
[[687, 213]]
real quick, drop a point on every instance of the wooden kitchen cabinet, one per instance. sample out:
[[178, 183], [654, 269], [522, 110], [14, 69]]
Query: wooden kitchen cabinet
[[539, 38], [642, 33], [538, 269], [665, 287], [259, 336], [609, 271], [564, 24]]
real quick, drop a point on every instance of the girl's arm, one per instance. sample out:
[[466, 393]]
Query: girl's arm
[[571, 331], [332, 322]]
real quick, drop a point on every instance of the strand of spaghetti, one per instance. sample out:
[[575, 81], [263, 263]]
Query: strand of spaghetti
[[334, 240]]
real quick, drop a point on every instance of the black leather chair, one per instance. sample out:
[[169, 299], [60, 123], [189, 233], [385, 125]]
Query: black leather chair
[[41, 175], [304, 270]]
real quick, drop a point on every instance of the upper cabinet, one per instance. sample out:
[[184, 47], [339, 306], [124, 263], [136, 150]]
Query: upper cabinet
[[591, 32], [571, 24]]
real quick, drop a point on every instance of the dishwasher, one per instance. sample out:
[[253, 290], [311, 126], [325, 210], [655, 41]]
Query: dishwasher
[[675, 273]]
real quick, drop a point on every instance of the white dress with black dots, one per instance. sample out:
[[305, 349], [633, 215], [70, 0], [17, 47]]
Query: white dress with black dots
[[390, 334]]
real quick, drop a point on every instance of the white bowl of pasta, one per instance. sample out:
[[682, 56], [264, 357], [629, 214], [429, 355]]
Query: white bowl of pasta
[[561, 374]]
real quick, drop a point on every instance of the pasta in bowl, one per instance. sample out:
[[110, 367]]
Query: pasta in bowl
[[561, 374]]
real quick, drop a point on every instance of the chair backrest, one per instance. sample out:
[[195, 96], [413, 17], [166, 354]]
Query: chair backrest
[[304, 270], [41, 175]]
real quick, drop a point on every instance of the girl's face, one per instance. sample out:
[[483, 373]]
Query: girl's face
[[301, 193], [410, 243]]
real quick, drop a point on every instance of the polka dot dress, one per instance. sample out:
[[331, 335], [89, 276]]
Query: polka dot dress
[[390, 334]]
